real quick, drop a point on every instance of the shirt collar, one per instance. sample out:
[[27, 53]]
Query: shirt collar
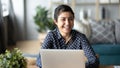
[[58, 33]]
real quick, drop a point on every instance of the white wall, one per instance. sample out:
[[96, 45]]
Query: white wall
[[30, 12], [24, 12]]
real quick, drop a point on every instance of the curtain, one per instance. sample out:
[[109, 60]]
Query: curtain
[[11, 25], [2, 35]]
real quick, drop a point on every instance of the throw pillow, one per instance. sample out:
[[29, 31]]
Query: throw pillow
[[117, 31], [83, 27], [102, 32]]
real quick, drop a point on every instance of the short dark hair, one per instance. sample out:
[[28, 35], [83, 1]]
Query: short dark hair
[[62, 8]]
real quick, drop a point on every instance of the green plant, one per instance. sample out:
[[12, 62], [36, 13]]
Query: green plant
[[13, 59], [42, 20]]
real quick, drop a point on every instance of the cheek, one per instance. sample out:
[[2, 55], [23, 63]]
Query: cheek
[[71, 23], [59, 23]]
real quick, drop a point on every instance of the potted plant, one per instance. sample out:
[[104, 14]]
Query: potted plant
[[42, 20], [13, 59]]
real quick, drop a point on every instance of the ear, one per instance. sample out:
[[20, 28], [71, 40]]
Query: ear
[[55, 22]]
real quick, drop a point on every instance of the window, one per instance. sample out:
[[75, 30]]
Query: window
[[5, 7]]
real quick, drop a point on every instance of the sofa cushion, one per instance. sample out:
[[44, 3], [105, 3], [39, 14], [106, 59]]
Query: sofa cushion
[[102, 32], [83, 27], [117, 30], [107, 49], [109, 60]]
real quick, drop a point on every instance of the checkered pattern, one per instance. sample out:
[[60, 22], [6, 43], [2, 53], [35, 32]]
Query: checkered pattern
[[102, 32]]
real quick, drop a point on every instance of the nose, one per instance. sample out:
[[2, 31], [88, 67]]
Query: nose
[[67, 22]]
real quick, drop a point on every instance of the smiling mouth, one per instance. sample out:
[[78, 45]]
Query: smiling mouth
[[67, 28]]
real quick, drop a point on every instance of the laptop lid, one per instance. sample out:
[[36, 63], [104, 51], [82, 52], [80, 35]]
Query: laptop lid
[[60, 58]]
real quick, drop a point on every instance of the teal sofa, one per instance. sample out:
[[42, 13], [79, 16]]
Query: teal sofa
[[105, 40], [109, 54]]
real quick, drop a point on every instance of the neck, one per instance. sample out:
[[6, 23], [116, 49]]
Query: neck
[[67, 37]]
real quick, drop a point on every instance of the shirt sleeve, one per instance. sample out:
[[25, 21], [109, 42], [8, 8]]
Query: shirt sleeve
[[47, 44], [93, 61]]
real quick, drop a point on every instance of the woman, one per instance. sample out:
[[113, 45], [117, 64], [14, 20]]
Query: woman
[[63, 37]]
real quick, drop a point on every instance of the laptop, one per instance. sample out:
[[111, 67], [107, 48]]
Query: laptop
[[60, 58]]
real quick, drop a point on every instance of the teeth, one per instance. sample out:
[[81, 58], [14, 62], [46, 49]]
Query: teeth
[[67, 27]]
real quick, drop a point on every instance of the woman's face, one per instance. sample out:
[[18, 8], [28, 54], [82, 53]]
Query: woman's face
[[65, 22]]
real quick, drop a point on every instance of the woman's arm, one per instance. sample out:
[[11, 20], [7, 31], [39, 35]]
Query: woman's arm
[[93, 61], [46, 45]]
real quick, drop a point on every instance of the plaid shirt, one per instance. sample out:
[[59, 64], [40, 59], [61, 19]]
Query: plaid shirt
[[54, 40]]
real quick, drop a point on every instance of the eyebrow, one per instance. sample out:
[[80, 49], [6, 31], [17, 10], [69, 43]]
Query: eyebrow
[[65, 17]]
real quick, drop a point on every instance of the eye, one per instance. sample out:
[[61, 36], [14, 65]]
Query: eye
[[62, 19], [71, 19]]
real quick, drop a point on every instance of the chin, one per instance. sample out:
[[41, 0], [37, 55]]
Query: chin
[[67, 31]]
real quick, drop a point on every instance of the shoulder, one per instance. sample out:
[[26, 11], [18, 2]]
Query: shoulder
[[77, 33], [52, 33], [80, 36]]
